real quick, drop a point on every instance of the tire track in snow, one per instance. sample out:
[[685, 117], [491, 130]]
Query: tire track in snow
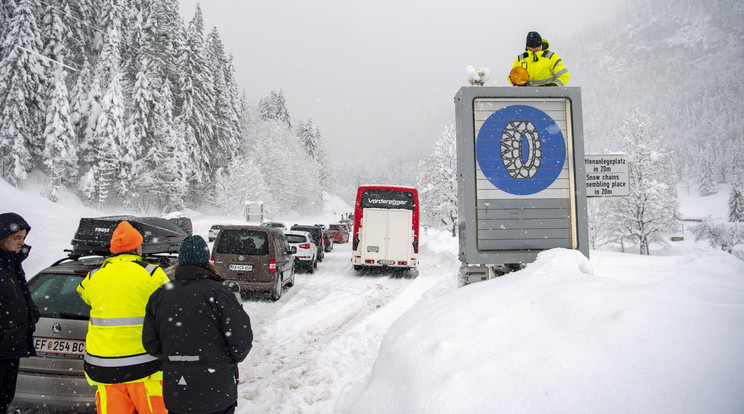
[[322, 337]]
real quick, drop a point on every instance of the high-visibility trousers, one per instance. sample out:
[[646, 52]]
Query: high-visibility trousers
[[142, 397]]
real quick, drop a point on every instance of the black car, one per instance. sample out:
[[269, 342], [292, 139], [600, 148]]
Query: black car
[[317, 233]]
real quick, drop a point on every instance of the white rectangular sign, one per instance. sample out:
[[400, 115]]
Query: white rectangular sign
[[607, 176]]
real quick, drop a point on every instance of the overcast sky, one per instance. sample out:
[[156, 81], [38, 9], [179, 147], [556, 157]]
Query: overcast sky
[[379, 77]]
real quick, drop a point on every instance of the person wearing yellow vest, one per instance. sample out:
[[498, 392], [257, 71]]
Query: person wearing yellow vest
[[129, 380], [544, 67]]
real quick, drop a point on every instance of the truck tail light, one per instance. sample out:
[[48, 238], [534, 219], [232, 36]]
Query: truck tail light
[[272, 266], [415, 246], [355, 243]]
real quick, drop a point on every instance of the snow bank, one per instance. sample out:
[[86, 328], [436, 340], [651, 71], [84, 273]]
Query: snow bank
[[556, 338]]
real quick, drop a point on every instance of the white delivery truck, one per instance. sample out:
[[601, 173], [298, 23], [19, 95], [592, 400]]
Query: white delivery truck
[[386, 227]]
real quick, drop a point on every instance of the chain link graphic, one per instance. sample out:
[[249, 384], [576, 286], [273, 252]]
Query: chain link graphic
[[512, 144]]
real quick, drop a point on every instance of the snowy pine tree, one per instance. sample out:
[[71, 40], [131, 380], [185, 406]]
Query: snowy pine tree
[[165, 166], [274, 107], [226, 127], [650, 210], [109, 163], [56, 34], [707, 175], [6, 13], [21, 94], [437, 183], [79, 106], [197, 97], [60, 149], [310, 139], [736, 203], [299, 192]]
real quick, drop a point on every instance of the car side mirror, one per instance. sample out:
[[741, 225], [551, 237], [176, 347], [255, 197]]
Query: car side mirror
[[293, 249], [234, 288]]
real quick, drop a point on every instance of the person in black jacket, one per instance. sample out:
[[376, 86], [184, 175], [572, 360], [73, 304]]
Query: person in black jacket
[[200, 330], [18, 313]]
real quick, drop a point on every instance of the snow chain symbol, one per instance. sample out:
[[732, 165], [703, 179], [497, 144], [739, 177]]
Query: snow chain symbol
[[521, 151]]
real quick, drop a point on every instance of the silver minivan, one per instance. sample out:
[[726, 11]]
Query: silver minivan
[[54, 379]]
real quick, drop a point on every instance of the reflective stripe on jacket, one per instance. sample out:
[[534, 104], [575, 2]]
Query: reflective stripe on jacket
[[117, 293], [545, 67]]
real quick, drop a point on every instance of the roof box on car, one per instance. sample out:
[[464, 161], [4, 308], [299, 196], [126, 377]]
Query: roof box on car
[[160, 235]]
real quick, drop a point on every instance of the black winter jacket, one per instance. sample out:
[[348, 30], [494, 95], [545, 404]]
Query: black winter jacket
[[18, 313], [201, 332]]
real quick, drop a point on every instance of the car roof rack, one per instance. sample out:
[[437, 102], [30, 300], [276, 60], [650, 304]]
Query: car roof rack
[[93, 236]]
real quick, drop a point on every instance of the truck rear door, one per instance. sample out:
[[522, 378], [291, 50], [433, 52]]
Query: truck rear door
[[399, 240]]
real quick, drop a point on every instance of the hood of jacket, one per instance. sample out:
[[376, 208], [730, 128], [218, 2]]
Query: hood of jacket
[[12, 223]]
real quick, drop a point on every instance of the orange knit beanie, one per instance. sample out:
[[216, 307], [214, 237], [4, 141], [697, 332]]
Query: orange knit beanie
[[125, 238]]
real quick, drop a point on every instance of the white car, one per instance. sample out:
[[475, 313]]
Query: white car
[[213, 232], [307, 253]]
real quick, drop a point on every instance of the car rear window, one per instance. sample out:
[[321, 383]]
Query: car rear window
[[315, 232], [296, 238], [248, 242], [56, 296]]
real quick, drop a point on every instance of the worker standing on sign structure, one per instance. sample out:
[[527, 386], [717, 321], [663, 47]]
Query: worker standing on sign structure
[[538, 66]]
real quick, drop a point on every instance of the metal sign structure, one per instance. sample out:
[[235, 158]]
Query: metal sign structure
[[521, 179]]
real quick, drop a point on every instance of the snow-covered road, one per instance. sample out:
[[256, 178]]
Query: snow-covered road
[[321, 338]]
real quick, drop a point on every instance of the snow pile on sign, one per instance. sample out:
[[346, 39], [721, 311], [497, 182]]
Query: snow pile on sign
[[556, 338]]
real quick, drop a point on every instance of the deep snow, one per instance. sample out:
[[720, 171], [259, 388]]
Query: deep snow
[[617, 333]]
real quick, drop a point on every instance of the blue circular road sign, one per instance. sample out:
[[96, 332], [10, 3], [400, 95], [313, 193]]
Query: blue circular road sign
[[520, 149]]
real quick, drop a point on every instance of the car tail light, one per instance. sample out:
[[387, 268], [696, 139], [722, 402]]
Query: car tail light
[[80, 271], [211, 260], [272, 266], [305, 246]]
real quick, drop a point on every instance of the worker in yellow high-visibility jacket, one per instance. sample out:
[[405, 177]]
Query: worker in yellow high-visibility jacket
[[545, 67], [129, 380]]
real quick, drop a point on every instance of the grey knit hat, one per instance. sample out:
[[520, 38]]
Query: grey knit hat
[[194, 250]]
